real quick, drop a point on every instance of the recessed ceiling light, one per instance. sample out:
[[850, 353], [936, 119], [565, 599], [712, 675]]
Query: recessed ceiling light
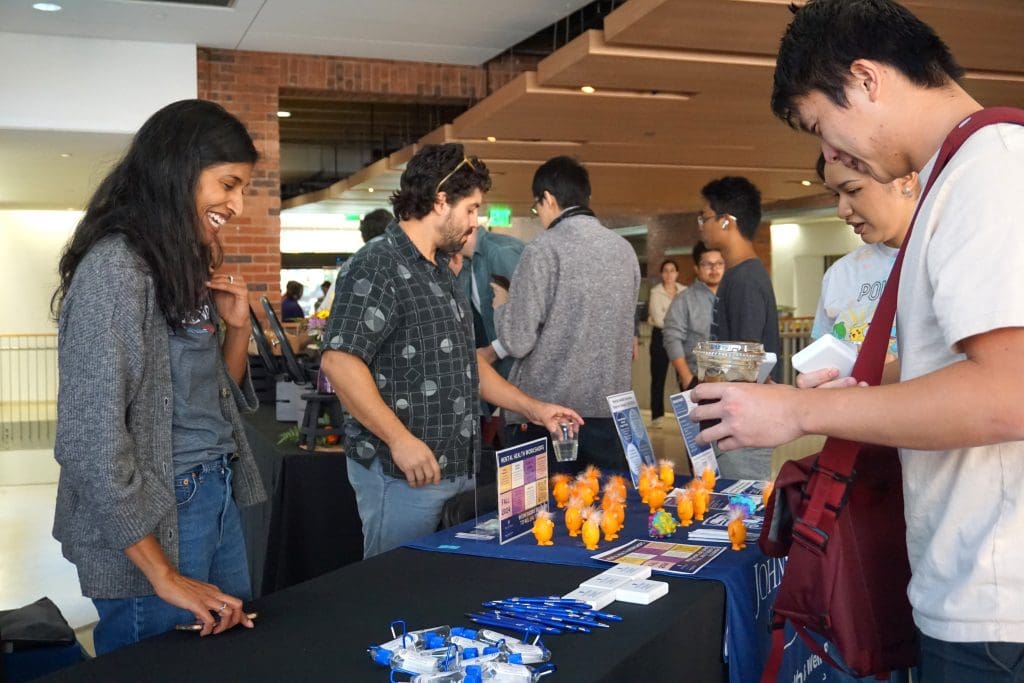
[[47, 7], [369, 189], [65, 155], [589, 89], [806, 183], [283, 114], [491, 138]]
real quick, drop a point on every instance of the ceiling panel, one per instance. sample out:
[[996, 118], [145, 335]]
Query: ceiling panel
[[445, 31]]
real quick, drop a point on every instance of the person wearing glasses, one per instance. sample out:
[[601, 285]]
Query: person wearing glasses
[[400, 354], [745, 308], [569, 320], [688, 320]]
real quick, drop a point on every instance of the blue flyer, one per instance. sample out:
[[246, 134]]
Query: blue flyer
[[701, 457], [632, 433]]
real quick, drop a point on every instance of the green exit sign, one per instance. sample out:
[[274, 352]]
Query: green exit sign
[[499, 217]]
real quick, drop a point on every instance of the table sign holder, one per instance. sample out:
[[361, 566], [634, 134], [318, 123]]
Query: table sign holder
[[522, 487]]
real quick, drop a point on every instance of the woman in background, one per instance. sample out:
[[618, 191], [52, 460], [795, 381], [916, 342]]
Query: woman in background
[[660, 298], [290, 307], [152, 449]]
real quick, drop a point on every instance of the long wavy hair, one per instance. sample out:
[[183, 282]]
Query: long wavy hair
[[149, 197]]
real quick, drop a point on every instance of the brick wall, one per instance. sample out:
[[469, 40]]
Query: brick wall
[[248, 85]]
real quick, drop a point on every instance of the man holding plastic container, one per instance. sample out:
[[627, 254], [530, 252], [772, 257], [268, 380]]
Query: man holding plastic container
[[882, 93]]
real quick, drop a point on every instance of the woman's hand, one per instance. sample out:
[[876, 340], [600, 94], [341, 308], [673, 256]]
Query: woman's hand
[[203, 600], [231, 297]]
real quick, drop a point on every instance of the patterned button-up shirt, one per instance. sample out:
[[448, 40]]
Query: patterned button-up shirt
[[409, 321]]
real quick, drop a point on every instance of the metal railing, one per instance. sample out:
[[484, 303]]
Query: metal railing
[[28, 391], [795, 334]]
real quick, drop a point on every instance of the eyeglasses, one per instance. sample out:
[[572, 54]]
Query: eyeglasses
[[702, 219], [533, 207], [466, 161], [711, 265]]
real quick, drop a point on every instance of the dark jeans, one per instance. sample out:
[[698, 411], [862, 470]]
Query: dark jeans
[[598, 445], [659, 367], [945, 662]]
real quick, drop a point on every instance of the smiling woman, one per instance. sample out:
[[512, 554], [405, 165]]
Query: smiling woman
[[152, 451]]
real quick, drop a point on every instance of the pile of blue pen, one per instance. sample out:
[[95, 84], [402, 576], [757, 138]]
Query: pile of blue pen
[[551, 615]]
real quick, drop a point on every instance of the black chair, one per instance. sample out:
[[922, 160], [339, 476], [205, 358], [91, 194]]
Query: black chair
[[318, 404], [263, 348], [469, 504]]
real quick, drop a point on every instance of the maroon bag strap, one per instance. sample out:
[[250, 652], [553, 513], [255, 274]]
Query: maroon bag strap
[[834, 465]]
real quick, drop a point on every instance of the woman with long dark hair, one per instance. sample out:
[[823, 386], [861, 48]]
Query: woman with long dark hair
[[153, 372]]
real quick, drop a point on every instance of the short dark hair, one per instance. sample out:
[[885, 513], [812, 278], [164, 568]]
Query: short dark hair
[[438, 168], [374, 223], [566, 179], [293, 290], [737, 197], [827, 36], [699, 250], [666, 262]]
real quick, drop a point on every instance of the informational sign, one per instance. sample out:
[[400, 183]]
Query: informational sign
[[522, 487], [701, 457], [632, 433]]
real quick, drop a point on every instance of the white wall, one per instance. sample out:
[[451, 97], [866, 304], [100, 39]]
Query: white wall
[[84, 84], [797, 259], [30, 246]]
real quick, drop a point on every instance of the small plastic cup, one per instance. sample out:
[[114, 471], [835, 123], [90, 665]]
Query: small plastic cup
[[565, 444]]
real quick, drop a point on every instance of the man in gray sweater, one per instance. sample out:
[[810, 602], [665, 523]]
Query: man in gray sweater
[[569, 319]]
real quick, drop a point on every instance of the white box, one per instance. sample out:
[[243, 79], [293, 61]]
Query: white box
[[826, 352], [633, 572], [595, 597], [290, 406], [606, 582], [642, 592]]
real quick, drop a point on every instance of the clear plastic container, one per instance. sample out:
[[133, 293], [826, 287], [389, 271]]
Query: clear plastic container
[[728, 361]]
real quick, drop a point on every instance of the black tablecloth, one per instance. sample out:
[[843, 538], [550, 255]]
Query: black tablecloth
[[319, 630], [309, 524]]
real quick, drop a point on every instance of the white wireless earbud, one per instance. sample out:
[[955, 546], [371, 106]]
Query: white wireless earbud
[[725, 224]]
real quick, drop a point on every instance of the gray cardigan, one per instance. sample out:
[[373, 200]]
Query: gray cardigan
[[570, 316], [114, 423]]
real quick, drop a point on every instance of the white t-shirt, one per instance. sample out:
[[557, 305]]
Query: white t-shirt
[[850, 292], [964, 275]]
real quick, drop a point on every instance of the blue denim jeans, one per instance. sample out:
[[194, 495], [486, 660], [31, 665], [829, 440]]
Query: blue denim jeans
[[210, 548], [945, 662], [393, 512]]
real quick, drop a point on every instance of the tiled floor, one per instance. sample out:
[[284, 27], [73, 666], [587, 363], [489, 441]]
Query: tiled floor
[[31, 565]]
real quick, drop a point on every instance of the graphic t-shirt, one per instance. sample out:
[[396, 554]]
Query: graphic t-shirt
[[850, 293]]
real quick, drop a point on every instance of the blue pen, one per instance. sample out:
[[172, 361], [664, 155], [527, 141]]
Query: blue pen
[[571, 616], [559, 617], [551, 598], [524, 627], [539, 618]]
